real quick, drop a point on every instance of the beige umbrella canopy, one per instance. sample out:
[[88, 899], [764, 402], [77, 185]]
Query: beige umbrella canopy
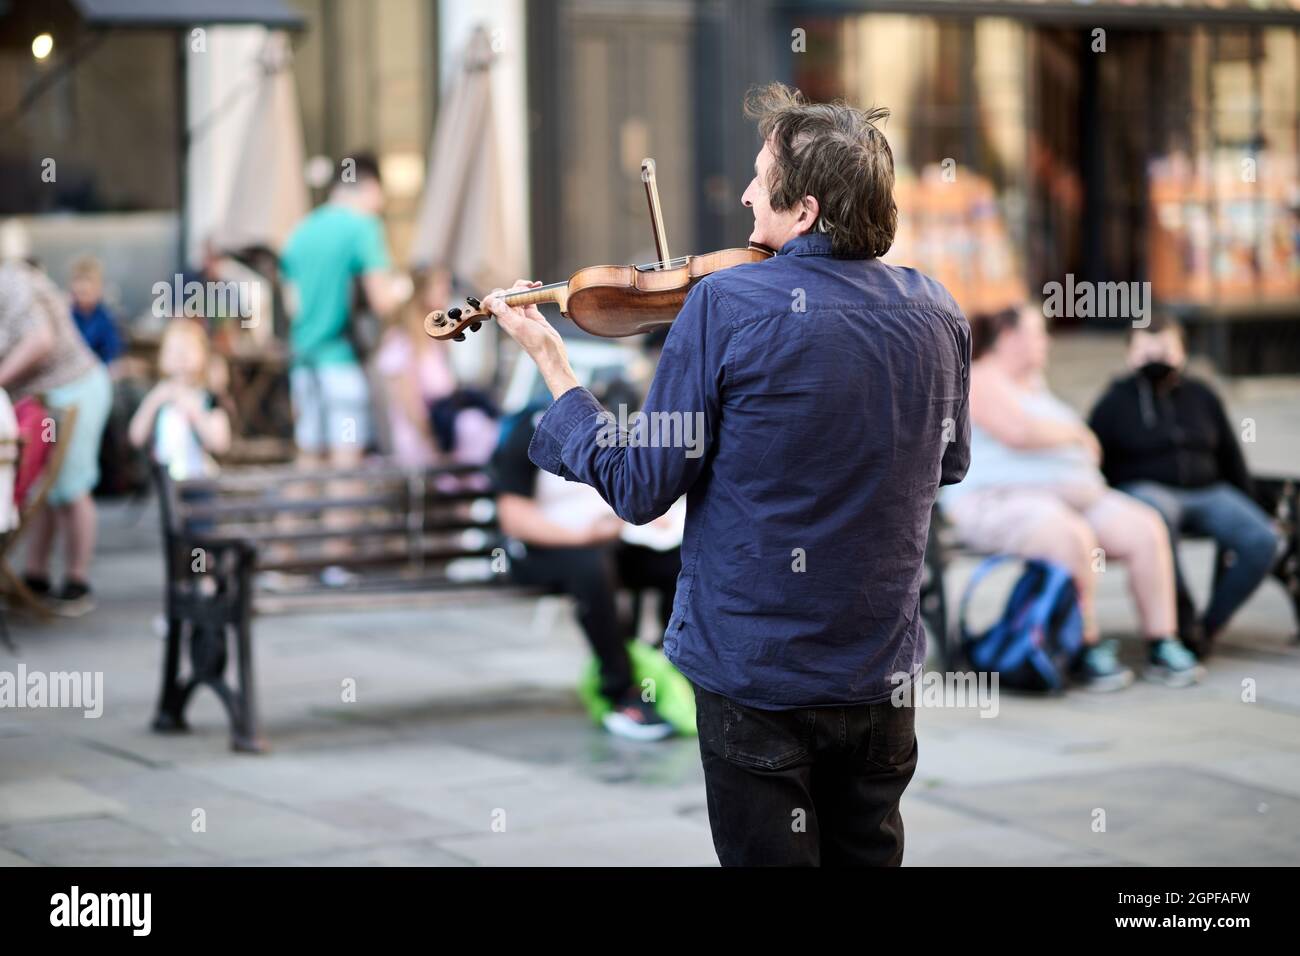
[[465, 222], [269, 193]]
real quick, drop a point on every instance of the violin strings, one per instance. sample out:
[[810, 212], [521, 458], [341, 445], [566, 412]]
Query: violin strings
[[643, 267], [646, 266]]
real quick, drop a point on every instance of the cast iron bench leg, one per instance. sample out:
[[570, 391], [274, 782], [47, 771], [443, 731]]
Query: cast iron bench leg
[[247, 735], [170, 717]]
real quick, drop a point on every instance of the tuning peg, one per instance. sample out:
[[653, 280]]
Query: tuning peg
[[474, 327], [460, 337], [453, 314], [473, 302]]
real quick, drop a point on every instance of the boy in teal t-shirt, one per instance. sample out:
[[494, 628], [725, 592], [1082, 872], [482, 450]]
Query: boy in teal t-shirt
[[322, 258]]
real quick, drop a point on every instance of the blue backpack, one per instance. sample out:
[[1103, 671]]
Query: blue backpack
[[1040, 632]]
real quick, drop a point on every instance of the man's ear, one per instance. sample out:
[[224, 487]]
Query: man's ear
[[809, 209]]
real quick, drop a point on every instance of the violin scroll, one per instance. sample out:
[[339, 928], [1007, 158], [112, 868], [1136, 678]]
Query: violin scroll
[[452, 323]]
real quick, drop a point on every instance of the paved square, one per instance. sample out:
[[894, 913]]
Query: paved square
[[466, 744]]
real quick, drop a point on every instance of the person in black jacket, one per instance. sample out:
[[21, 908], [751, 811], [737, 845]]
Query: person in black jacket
[[1167, 440]]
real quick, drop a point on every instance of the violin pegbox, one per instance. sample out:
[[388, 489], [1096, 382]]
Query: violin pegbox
[[452, 323]]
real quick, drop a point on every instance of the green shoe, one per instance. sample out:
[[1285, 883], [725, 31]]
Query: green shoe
[[1099, 668], [1172, 664]]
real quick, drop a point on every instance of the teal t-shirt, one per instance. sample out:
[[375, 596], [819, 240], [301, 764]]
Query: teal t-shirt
[[322, 258]]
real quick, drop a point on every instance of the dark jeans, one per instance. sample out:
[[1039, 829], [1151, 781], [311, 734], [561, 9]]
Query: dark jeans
[[593, 576], [816, 786], [1236, 524], [198, 496]]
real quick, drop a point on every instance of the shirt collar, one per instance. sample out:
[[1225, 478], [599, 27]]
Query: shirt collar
[[809, 244]]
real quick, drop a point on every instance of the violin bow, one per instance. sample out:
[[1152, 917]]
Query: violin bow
[[656, 211]]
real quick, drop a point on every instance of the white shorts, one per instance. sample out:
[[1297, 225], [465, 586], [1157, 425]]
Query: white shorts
[[331, 407]]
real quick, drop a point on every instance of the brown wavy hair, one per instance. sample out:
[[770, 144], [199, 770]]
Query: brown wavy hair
[[836, 153], [987, 327]]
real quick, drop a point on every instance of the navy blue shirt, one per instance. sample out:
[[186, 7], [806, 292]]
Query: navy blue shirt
[[831, 397], [99, 331]]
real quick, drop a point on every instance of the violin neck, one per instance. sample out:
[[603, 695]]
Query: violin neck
[[542, 294]]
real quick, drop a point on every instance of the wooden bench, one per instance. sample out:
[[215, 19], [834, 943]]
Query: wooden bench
[[225, 539], [258, 539], [1278, 496]]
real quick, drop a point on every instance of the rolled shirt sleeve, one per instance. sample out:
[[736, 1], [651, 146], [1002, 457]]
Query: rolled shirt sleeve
[[642, 462]]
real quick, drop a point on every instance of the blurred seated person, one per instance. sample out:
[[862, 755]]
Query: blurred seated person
[[1034, 489], [565, 538], [91, 314], [416, 374], [467, 429], [1166, 440], [179, 419]]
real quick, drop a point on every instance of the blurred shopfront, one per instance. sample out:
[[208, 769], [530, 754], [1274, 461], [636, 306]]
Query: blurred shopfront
[[1104, 143], [1110, 141], [1025, 151]]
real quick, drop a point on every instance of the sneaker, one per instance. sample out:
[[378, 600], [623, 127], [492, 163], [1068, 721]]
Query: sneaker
[[635, 719], [1172, 664], [74, 600], [1099, 668], [337, 577], [39, 586]]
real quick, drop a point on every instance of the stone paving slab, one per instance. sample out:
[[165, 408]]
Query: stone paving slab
[[234, 826], [410, 768], [467, 709], [98, 841], [937, 835], [52, 747], [545, 800], [665, 841], [1268, 770], [406, 853], [50, 798], [1154, 815]]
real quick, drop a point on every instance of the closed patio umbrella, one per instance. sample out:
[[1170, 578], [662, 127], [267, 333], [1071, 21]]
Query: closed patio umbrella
[[466, 222], [269, 194]]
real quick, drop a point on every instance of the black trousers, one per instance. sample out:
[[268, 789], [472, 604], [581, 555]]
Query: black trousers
[[816, 786], [593, 576]]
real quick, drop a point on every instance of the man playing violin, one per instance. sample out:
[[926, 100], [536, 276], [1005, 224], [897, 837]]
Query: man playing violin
[[833, 392]]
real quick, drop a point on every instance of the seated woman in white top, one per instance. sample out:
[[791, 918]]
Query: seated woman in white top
[[1034, 489]]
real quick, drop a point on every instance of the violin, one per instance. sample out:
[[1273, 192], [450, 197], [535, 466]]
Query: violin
[[612, 301]]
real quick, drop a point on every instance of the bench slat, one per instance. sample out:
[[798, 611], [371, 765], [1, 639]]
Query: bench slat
[[405, 555], [252, 479], [268, 534], [270, 507]]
